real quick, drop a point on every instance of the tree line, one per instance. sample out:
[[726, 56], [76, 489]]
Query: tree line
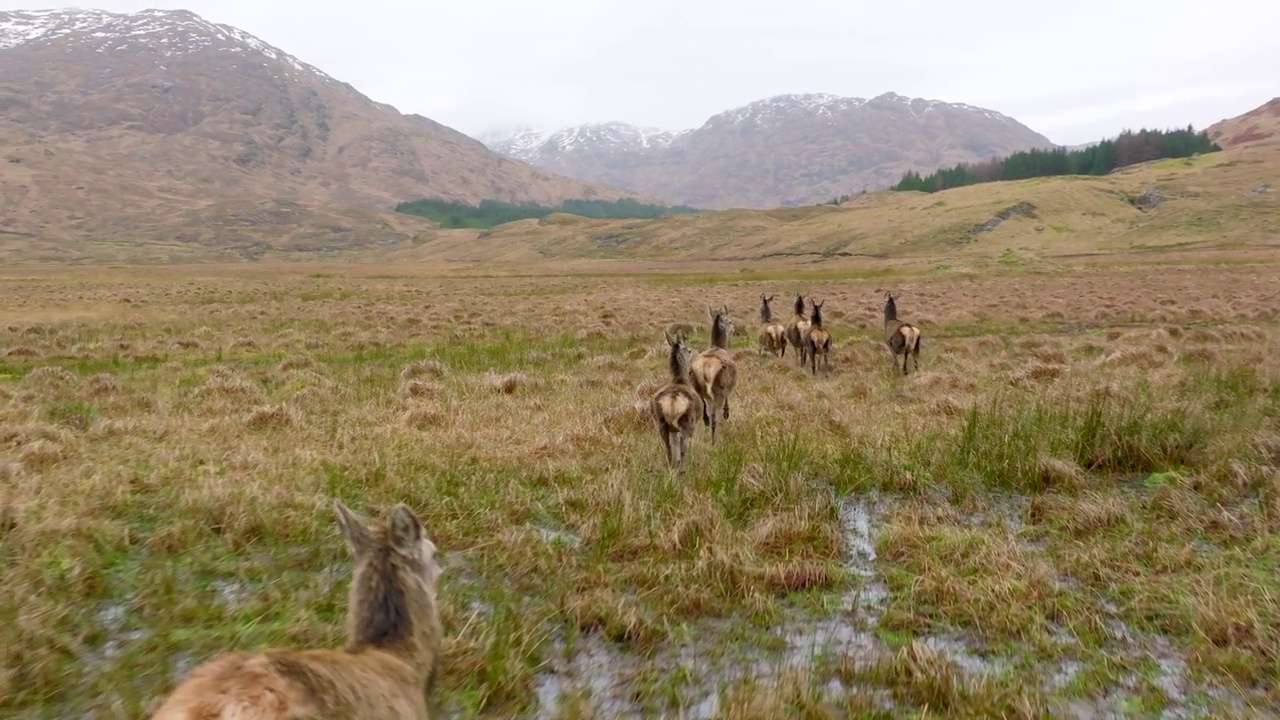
[[489, 213], [1128, 148]]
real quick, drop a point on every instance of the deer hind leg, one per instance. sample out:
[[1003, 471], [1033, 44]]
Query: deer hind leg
[[684, 444], [666, 444], [715, 420]]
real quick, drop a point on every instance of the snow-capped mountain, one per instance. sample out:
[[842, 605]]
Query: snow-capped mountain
[[166, 32], [113, 122], [781, 108], [529, 144], [785, 149]]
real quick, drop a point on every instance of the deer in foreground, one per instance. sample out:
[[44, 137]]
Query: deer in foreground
[[818, 340], [677, 407], [796, 330], [714, 372], [773, 335], [388, 668], [902, 338]]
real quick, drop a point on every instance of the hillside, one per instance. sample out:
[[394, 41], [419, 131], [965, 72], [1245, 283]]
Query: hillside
[[783, 150], [1262, 124], [162, 127], [1225, 201]]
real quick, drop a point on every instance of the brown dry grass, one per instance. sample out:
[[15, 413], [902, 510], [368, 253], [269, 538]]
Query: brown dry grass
[[1084, 469]]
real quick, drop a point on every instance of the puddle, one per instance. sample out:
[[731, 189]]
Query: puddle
[[608, 680], [960, 651], [231, 593], [112, 618], [849, 631], [558, 537], [860, 559], [608, 676], [593, 667]]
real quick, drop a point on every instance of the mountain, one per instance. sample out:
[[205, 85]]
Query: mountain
[[1259, 124], [161, 126], [783, 150]]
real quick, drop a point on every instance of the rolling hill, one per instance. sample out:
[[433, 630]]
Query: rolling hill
[[1258, 125]]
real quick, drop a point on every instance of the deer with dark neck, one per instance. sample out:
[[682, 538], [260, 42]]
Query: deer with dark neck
[[773, 335], [903, 338], [714, 372], [818, 340], [797, 329], [677, 407]]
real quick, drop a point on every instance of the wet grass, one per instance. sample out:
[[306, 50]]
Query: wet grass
[[1078, 499]]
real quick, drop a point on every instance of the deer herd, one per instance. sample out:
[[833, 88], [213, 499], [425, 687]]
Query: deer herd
[[701, 383], [389, 666]]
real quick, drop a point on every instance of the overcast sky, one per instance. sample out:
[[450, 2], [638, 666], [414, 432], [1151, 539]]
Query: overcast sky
[[1075, 71]]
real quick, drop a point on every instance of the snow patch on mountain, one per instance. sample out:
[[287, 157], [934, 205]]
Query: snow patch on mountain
[[526, 143], [784, 107], [171, 32]]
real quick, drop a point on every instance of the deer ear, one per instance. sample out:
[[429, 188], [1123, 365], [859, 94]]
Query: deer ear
[[405, 528], [353, 528]]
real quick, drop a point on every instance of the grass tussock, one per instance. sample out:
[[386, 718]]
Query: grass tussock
[[1097, 483]]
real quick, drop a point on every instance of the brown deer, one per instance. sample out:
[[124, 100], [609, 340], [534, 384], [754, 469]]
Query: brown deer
[[902, 338], [796, 330], [773, 335], [388, 668], [714, 372], [677, 407], [818, 340]]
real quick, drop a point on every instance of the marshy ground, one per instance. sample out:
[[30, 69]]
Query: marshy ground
[[1072, 510]]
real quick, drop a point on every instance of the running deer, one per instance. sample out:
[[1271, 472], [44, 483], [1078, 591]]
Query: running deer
[[714, 372], [818, 340], [773, 335], [388, 668], [796, 330], [902, 338], [677, 407]]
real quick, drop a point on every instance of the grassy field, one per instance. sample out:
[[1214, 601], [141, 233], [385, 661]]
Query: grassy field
[[1072, 509]]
